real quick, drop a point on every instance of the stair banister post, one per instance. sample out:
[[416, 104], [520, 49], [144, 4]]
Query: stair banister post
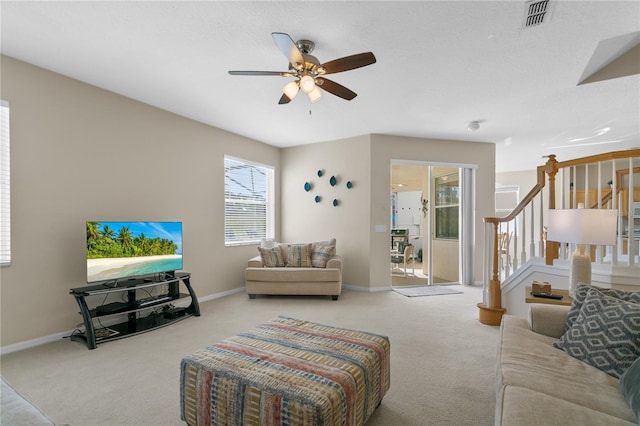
[[551, 168], [494, 287], [492, 314]]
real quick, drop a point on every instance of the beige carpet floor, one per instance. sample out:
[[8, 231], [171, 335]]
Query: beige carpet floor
[[442, 360]]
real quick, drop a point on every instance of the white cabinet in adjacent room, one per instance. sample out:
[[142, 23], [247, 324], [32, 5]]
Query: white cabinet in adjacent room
[[409, 215]]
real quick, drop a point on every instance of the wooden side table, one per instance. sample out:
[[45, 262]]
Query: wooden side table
[[566, 299]]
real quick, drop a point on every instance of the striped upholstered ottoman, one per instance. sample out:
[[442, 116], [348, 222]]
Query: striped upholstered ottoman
[[286, 372]]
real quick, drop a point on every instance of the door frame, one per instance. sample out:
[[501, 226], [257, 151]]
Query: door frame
[[466, 216]]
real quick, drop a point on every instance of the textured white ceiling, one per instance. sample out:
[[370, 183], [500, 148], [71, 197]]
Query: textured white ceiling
[[440, 65]]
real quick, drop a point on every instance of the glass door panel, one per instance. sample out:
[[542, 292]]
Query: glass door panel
[[426, 202], [445, 253]]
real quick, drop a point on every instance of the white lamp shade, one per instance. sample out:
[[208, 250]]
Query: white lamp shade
[[583, 226], [291, 89], [307, 84], [315, 95]]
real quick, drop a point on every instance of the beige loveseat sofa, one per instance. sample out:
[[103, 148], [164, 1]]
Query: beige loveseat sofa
[[539, 384], [319, 275]]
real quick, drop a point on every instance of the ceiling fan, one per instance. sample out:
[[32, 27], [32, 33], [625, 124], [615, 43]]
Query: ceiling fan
[[309, 72]]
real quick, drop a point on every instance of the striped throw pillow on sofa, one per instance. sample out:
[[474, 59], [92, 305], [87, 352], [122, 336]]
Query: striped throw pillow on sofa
[[299, 256]]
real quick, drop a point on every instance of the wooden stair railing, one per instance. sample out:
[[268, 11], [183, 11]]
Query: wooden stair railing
[[605, 199], [491, 314], [491, 310], [620, 174]]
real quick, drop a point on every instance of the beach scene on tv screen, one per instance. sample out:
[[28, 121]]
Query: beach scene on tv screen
[[127, 249]]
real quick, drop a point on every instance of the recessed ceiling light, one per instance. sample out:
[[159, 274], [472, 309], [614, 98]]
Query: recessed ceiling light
[[473, 126]]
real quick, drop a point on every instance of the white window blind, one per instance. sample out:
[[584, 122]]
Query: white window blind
[[5, 208], [248, 200]]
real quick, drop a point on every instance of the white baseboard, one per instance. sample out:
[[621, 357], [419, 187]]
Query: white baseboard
[[221, 294], [57, 336], [34, 342], [366, 289]]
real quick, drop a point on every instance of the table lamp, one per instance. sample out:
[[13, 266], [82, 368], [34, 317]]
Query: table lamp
[[582, 227]]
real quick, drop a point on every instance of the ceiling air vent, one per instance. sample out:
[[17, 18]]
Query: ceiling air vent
[[537, 12]]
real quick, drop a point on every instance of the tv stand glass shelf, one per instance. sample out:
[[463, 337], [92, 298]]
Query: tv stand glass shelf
[[146, 302]]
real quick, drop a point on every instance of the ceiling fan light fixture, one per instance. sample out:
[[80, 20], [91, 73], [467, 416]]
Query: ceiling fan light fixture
[[315, 95], [307, 84], [291, 89], [308, 72]]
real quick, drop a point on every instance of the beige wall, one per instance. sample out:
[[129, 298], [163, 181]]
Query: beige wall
[[366, 161], [305, 220], [80, 153], [525, 180], [386, 148]]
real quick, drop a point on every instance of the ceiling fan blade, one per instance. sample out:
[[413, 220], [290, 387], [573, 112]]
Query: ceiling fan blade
[[336, 89], [289, 48], [284, 100], [349, 62], [280, 73]]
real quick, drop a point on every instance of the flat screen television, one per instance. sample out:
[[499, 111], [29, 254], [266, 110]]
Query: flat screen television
[[121, 250]]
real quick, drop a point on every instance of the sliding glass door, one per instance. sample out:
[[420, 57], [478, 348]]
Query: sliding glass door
[[433, 204]]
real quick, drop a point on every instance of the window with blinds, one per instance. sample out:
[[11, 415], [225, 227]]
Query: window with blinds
[[248, 202], [5, 210]]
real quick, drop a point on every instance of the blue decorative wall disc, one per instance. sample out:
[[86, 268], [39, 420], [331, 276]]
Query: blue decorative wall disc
[[335, 202], [307, 186], [349, 184], [317, 198], [333, 181]]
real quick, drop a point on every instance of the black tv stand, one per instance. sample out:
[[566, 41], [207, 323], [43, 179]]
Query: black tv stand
[[143, 314], [132, 281]]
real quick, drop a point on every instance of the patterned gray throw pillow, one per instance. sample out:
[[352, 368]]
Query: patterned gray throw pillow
[[581, 295], [606, 334]]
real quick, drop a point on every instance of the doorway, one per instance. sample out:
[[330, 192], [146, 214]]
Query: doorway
[[432, 209]]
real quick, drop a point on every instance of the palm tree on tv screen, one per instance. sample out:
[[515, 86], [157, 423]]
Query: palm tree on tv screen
[[93, 233], [142, 243], [107, 233], [125, 239]]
